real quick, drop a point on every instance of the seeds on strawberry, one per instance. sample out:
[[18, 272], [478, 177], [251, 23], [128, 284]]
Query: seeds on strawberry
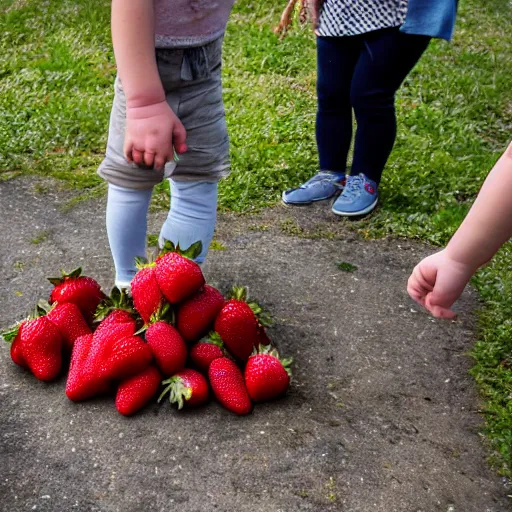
[[239, 327], [70, 322], [40, 347], [134, 393], [196, 315], [204, 352], [118, 307], [116, 326], [146, 294], [168, 347], [228, 385], [267, 376], [178, 277], [186, 387], [84, 379], [125, 357], [83, 291]]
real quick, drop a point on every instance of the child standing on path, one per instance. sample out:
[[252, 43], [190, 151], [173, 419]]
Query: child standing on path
[[438, 280], [364, 52], [168, 97]]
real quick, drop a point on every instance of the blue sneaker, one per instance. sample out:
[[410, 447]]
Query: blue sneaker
[[322, 186], [359, 197]]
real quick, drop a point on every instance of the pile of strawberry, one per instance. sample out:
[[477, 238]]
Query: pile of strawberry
[[174, 331]]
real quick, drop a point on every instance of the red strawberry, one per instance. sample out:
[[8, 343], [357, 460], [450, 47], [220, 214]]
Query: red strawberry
[[70, 322], [84, 380], [113, 353], [204, 352], [178, 277], [125, 357], [83, 291], [169, 349], [13, 336], [117, 316], [118, 324], [40, 347], [134, 393], [186, 387], [228, 385], [117, 307], [239, 327], [196, 315], [147, 297], [266, 376]]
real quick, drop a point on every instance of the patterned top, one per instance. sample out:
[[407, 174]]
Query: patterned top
[[189, 23], [352, 17]]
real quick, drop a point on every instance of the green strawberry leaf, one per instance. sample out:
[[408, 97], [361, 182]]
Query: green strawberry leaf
[[10, 333], [215, 339], [73, 274], [43, 307], [238, 293], [191, 252], [141, 262], [118, 299]]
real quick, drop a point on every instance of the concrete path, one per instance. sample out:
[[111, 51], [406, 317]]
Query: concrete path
[[382, 415]]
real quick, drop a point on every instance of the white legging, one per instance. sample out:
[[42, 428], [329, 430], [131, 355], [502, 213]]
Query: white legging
[[192, 216]]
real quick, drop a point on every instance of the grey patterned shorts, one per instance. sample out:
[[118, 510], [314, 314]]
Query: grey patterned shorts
[[192, 82]]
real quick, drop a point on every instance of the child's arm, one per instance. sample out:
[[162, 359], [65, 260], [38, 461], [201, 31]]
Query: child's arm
[[152, 128], [437, 281]]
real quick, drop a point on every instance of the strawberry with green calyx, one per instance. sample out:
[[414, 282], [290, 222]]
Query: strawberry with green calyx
[[186, 387], [168, 347], [147, 297], [228, 385], [120, 302], [83, 291], [70, 322], [178, 276], [195, 316], [205, 351], [134, 393], [239, 327], [267, 376]]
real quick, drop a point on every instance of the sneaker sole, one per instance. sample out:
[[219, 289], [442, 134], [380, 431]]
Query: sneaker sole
[[366, 210], [287, 203]]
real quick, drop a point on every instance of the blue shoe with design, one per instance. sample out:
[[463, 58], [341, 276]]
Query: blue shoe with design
[[323, 185], [359, 197]]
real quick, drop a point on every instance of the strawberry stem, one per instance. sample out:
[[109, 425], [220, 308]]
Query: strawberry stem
[[178, 392]]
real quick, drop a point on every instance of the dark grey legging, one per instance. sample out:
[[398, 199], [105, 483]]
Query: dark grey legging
[[361, 73]]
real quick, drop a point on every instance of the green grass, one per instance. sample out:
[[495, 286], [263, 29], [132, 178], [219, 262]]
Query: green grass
[[455, 115]]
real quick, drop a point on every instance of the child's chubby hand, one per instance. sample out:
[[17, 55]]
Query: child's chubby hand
[[153, 131], [437, 282]]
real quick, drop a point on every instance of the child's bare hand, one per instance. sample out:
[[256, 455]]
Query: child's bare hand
[[437, 282], [152, 133]]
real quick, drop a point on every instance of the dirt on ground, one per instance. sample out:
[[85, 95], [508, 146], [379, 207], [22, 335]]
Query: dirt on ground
[[382, 414]]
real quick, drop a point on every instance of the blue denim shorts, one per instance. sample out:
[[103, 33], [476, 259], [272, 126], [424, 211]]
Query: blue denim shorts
[[192, 82]]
